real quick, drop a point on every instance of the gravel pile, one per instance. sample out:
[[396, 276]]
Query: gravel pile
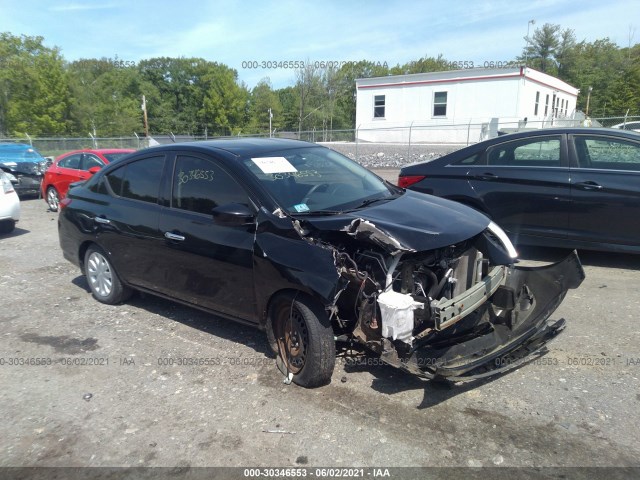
[[381, 155]]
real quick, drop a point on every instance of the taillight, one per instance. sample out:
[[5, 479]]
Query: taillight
[[65, 202], [408, 180]]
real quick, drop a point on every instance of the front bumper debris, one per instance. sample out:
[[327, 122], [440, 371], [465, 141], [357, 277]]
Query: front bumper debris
[[510, 327]]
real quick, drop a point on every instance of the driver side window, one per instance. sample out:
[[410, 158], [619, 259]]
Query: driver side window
[[200, 185]]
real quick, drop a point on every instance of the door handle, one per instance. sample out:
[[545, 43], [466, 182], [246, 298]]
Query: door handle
[[174, 236], [485, 176], [588, 185], [102, 220]]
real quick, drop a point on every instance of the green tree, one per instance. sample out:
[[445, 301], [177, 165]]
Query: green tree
[[541, 48], [34, 89], [262, 101]]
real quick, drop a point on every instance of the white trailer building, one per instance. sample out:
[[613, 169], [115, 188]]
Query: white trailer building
[[460, 106]]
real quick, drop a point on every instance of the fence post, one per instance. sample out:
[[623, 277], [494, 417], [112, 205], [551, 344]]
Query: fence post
[[409, 150], [357, 140]]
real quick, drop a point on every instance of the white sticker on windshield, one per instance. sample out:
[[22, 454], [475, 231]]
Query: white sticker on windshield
[[274, 165]]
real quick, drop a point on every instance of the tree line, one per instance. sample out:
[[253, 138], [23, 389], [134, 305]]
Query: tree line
[[42, 94]]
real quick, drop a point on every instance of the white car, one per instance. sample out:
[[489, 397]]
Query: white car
[[633, 126], [9, 203]]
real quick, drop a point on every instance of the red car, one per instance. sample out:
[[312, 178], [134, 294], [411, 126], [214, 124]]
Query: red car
[[73, 167]]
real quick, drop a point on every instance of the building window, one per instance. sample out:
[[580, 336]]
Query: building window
[[440, 104], [378, 106], [546, 106], [535, 110]]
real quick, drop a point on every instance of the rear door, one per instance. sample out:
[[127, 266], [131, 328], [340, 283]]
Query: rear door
[[127, 225], [524, 185], [605, 190]]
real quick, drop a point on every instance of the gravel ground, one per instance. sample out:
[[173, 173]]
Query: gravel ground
[[86, 384], [385, 155]]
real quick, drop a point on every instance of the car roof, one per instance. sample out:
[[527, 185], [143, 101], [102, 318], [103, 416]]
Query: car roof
[[565, 130], [100, 150], [15, 146], [240, 147]]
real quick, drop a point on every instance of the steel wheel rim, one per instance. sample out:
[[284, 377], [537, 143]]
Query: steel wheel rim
[[99, 274], [296, 339], [52, 199]]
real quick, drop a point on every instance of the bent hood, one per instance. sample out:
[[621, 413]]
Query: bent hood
[[410, 223], [25, 168]]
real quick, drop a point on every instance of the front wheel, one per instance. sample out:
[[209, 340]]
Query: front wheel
[[53, 199], [103, 279], [304, 338]]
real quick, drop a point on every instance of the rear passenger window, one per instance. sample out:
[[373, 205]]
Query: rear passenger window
[[139, 180], [537, 152], [472, 160]]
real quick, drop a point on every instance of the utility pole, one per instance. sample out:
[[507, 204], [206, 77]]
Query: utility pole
[[588, 98], [270, 117], [144, 111], [526, 50]]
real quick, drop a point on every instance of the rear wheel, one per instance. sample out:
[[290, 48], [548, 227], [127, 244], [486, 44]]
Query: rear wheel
[[53, 199], [302, 333], [103, 279]]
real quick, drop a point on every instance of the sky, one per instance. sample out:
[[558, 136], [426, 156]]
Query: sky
[[262, 34]]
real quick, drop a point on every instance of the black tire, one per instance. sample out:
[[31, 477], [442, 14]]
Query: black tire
[[53, 199], [301, 333], [7, 226], [103, 280]]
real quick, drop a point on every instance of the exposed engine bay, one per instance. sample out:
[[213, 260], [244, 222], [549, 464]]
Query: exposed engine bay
[[459, 311]]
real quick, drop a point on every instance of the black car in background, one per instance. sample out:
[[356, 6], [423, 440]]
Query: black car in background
[[563, 187], [306, 244]]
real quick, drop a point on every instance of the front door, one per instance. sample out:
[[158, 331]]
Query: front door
[[605, 188], [205, 263]]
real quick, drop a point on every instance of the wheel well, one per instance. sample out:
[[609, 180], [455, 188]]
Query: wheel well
[[291, 291], [82, 252]]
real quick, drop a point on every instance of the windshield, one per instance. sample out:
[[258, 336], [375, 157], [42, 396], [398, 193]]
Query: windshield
[[19, 154], [316, 179]]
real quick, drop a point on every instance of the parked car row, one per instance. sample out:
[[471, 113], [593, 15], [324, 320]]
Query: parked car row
[[302, 242], [311, 247]]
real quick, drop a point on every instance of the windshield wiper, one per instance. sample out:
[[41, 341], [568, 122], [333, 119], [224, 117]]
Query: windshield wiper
[[370, 201], [317, 212]]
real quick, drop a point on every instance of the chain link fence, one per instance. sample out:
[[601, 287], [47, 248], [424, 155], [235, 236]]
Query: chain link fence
[[380, 147]]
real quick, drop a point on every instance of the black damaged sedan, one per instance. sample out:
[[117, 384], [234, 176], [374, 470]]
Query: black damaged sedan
[[306, 244]]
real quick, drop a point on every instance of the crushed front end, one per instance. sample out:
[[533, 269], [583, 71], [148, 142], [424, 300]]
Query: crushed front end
[[458, 312]]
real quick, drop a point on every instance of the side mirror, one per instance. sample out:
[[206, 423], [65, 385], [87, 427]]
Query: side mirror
[[94, 170], [233, 215]]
